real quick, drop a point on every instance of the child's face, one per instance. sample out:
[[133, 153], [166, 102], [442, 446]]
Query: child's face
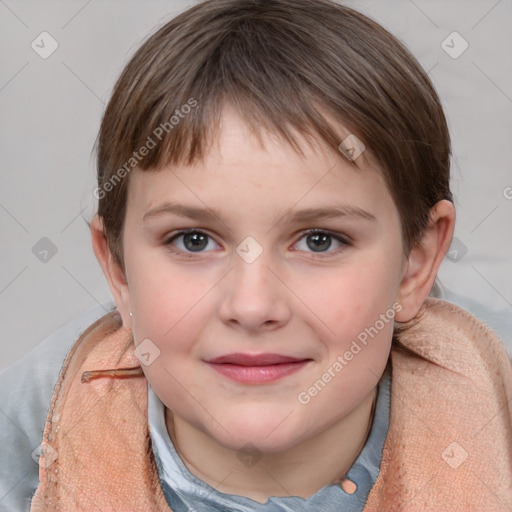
[[291, 300]]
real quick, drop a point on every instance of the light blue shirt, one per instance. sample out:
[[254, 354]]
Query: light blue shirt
[[27, 388]]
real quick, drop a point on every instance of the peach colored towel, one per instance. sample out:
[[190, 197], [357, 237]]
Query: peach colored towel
[[449, 445]]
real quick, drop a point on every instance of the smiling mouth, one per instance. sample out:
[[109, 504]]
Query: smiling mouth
[[257, 369]]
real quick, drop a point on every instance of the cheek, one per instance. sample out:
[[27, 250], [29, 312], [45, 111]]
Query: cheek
[[166, 302], [355, 306], [171, 314], [358, 311], [352, 298], [157, 286]]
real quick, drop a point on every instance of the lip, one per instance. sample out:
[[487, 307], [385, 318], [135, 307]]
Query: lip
[[242, 359], [256, 368]]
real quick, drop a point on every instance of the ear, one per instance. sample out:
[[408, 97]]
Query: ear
[[425, 259], [113, 272]]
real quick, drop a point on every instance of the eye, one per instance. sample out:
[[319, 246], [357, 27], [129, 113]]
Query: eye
[[192, 241], [318, 241]]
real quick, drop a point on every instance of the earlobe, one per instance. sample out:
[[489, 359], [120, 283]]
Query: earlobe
[[113, 272], [425, 259]]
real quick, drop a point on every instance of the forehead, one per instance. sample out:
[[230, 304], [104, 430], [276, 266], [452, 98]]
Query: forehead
[[242, 171]]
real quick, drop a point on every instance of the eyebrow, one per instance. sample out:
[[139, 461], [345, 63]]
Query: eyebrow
[[314, 214], [201, 214], [308, 214]]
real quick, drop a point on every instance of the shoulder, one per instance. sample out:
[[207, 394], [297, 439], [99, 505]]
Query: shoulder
[[450, 397], [26, 390], [451, 337], [499, 320]]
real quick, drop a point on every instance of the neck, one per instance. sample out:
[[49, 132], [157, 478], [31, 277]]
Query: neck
[[300, 471]]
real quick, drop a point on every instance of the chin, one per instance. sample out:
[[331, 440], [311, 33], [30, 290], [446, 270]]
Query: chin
[[259, 443], [265, 433]]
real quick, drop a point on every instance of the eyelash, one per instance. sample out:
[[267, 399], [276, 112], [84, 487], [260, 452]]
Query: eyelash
[[190, 254]]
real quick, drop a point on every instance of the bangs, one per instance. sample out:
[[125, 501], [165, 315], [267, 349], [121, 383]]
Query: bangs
[[247, 69], [314, 69]]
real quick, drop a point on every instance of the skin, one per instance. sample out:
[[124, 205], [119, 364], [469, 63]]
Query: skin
[[291, 300]]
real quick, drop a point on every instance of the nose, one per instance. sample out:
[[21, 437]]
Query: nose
[[253, 298]]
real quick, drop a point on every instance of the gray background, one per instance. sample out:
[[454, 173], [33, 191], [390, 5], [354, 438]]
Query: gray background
[[50, 111]]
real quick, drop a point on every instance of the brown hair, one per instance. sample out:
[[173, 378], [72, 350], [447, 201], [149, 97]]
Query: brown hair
[[279, 63]]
